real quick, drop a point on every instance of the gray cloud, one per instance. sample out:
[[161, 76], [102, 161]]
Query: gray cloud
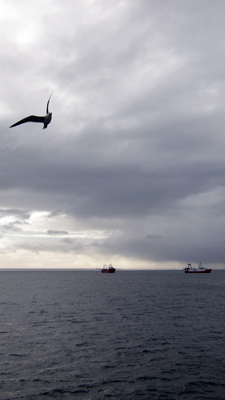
[[56, 232], [133, 160]]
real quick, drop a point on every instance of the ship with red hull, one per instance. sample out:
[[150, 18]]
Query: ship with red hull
[[108, 270], [192, 270]]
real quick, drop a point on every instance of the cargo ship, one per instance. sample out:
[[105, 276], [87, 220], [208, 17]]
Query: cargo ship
[[200, 269], [108, 270]]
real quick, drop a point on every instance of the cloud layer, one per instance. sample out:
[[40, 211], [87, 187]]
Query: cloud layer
[[131, 169]]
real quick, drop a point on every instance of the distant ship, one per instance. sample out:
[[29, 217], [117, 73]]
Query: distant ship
[[200, 269], [108, 270]]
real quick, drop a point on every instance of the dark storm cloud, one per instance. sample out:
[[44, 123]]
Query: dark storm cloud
[[132, 185]]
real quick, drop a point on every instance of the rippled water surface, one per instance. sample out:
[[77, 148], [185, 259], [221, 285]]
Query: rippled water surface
[[129, 335]]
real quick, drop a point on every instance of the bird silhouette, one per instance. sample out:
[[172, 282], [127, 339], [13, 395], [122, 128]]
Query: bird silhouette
[[34, 118]]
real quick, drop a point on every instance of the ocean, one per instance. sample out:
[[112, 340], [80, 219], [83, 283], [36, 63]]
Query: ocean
[[129, 335]]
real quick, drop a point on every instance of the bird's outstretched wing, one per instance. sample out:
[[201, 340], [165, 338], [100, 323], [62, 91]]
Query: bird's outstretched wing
[[31, 118], [48, 103]]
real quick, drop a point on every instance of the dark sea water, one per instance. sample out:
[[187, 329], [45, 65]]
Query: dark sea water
[[128, 335]]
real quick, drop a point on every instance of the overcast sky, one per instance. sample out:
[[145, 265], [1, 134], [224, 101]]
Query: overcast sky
[[131, 170]]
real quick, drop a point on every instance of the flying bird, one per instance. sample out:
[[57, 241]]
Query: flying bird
[[33, 118]]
